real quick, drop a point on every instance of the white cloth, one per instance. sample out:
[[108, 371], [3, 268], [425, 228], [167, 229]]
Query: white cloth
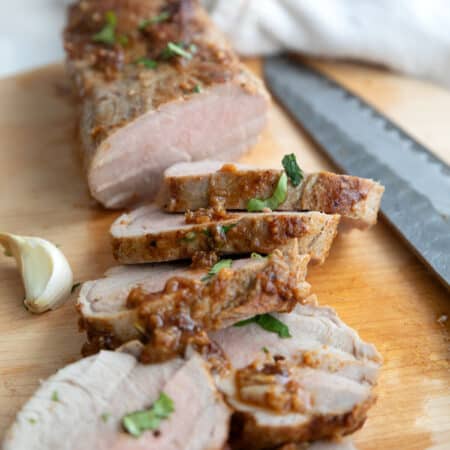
[[411, 36], [30, 33]]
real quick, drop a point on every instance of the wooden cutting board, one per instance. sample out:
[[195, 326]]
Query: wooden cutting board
[[376, 284]]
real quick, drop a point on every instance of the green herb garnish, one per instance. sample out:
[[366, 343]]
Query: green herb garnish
[[207, 232], [189, 237], [278, 197], [265, 350], [173, 49], [147, 62], [137, 422], [226, 228], [31, 420], [268, 323], [257, 256], [143, 24], [292, 169], [55, 396], [107, 35], [122, 40], [216, 268], [74, 286], [197, 89], [140, 328], [105, 417]]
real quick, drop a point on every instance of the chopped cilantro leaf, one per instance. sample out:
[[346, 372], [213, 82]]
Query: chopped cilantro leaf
[[226, 228], [107, 35], [268, 323], [189, 237], [173, 49], [292, 169], [147, 62], [137, 422], [143, 24], [216, 268], [277, 198]]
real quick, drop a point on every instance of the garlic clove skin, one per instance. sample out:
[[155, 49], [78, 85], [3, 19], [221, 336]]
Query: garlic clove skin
[[46, 273]]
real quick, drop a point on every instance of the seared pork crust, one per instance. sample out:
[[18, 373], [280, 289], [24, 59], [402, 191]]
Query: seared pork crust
[[231, 186], [94, 64], [246, 433], [212, 59]]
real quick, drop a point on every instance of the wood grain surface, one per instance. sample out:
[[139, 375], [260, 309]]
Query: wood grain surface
[[376, 284]]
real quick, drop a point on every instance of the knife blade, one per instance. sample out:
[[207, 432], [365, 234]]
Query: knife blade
[[360, 141]]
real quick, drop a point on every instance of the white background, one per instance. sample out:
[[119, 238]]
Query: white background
[[410, 36], [30, 33]]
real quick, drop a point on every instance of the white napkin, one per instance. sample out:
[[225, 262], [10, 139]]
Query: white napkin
[[411, 36], [30, 33]]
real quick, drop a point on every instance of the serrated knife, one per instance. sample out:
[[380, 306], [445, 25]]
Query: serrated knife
[[361, 141]]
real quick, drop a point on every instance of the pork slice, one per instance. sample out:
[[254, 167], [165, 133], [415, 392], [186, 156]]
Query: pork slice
[[120, 307], [147, 234], [102, 303], [135, 121], [82, 406], [204, 184], [318, 384]]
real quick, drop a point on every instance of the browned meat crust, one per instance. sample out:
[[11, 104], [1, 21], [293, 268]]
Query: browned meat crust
[[237, 234], [213, 60], [279, 392], [94, 63], [355, 199], [246, 433]]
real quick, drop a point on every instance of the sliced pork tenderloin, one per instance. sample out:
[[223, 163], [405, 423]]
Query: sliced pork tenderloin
[[318, 384], [204, 184], [152, 302], [102, 303], [147, 234], [154, 92], [83, 404]]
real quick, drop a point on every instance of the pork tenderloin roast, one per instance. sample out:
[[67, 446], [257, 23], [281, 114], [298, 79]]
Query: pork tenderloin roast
[[230, 354], [158, 84]]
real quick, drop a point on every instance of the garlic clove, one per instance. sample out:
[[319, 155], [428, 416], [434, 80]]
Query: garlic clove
[[46, 273]]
